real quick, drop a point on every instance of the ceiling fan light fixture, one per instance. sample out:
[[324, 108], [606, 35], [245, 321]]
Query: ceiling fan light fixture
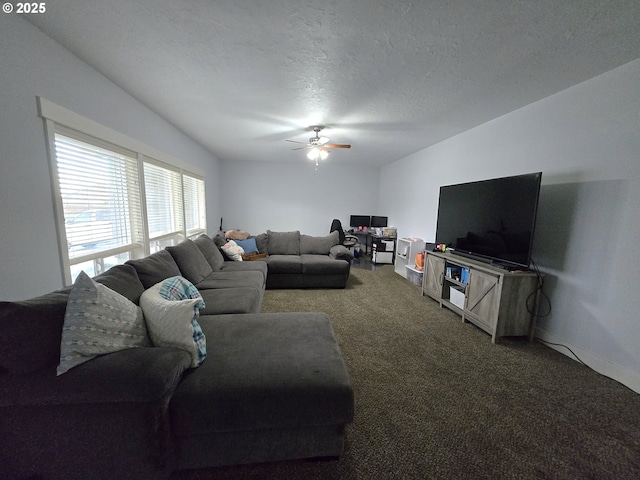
[[313, 154], [317, 153]]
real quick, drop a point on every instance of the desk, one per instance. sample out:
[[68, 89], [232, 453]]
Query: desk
[[370, 238]]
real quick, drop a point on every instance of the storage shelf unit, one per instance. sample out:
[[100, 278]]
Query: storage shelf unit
[[500, 302], [382, 249], [406, 250]]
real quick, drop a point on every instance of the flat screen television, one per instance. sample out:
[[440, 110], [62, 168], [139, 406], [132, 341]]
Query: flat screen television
[[378, 222], [491, 220], [356, 221]]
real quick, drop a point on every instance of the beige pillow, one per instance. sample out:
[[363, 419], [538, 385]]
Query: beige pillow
[[233, 251], [171, 309]]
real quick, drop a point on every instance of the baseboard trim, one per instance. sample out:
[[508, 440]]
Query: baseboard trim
[[595, 362]]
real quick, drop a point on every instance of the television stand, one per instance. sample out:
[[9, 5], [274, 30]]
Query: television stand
[[496, 300]]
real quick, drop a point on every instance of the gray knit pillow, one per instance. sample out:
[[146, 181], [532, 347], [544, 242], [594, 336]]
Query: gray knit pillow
[[98, 321]]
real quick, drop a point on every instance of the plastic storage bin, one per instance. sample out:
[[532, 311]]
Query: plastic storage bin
[[456, 296], [413, 276]]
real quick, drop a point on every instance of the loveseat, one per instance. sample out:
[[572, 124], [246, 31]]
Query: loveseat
[[296, 260], [273, 386]]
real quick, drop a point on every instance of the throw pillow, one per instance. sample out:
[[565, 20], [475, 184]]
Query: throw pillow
[[155, 268], [210, 251], [249, 245], [171, 309], [262, 241], [236, 235], [190, 260], [98, 321], [233, 251], [284, 243], [318, 245]]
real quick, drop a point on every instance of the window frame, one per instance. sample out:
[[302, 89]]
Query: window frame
[[65, 122]]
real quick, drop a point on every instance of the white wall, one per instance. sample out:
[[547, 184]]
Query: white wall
[[294, 196], [34, 65], [586, 141]]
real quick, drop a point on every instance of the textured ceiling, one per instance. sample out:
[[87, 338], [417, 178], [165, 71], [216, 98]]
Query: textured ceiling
[[388, 76]]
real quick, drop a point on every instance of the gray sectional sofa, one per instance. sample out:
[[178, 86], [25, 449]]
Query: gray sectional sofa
[[273, 386], [296, 260]]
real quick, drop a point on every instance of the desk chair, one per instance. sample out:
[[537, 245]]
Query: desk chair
[[349, 241]]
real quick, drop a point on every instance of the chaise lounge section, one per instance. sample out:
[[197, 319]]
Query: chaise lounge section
[[273, 386]]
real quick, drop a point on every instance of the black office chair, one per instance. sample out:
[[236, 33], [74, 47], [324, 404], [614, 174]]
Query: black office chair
[[349, 241]]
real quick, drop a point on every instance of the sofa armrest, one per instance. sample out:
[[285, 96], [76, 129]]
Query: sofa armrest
[[138, 375], [107, 418], [340, 252]]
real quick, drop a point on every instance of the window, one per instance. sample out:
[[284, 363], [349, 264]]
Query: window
[[115, 203], [165, 211], [194, 205]]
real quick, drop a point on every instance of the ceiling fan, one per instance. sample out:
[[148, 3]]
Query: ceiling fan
[[318, 146]]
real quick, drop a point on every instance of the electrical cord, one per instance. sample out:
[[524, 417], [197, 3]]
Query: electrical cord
[[534, 295], [564, 346], [532, 311]]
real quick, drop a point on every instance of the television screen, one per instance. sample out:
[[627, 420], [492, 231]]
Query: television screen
[[378, 221], [360, 221], [492, 220]]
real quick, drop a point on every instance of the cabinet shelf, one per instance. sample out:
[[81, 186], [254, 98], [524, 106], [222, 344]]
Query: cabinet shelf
[[406, 251], [414, 269]]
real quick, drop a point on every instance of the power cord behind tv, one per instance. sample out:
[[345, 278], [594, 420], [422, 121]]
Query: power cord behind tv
[[532, 297]]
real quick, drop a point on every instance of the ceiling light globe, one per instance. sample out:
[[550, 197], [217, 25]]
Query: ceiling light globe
[[313, 154]]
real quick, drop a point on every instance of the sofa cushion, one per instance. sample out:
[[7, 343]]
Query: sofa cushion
[[284, 264], [98, 321], [259, 265], [283, 243], [210, 251], [232, 279], [323, 265], [219, 239], [172, 308], [190, 260], [318, 245], [231, 300], [19, 320], [155, 268], [262, 242], [271, 370], [124, 280]]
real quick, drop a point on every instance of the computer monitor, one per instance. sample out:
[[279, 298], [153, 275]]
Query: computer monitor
[[357, 221], [377, 222]]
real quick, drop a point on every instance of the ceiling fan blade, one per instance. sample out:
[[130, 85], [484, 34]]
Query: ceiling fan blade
[[294, 141], [335, 145], [307, 147]]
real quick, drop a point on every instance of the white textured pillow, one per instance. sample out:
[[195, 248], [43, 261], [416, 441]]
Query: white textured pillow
[[171, 309], [98, 321], [232, 250]]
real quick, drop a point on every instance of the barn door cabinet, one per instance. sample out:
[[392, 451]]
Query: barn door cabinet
[[500, 302]]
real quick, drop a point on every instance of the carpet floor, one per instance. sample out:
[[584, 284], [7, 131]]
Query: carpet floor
[[435, 399]]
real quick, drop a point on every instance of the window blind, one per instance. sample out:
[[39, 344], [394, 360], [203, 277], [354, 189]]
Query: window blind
[[100, 196], [194, 205], [163, 194]]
